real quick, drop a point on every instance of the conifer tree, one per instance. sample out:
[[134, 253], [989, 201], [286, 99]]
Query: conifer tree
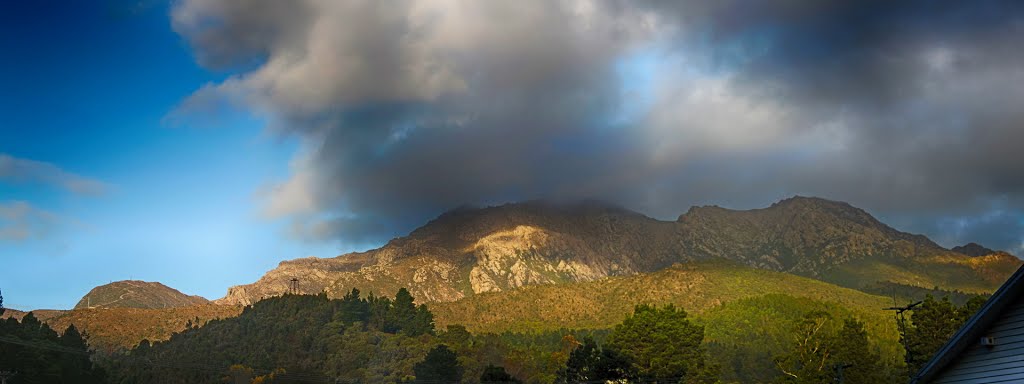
[[852, 354], [662, 344], [933, 323], [402, 314], [354, 308], [440, 366]]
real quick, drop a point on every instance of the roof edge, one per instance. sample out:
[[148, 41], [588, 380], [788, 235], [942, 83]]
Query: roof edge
[[970, 331]]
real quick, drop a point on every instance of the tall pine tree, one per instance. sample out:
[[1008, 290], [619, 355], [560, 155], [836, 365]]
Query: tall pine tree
[[440, 366], [663, 345]]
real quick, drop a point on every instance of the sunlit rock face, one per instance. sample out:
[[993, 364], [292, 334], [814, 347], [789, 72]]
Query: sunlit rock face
[[472, 251]]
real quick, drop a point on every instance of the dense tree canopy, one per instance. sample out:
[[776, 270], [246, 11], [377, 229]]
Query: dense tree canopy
[[933, 323], [662, 345], [494, 375], [589, 363], [311, 338], [306, 338], [440, 366], [37, 354], [823, 351]]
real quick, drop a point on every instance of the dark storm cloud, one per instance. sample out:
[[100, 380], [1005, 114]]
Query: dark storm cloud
[[920, 93], [909, 109]]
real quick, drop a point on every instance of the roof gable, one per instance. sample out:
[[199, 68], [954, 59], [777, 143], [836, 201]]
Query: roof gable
[[974, 328]]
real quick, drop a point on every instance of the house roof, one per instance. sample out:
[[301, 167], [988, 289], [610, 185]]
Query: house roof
[[975, 327]]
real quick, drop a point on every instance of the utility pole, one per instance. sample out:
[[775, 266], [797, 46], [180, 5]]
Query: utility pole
[[901, 321], [293, 288]]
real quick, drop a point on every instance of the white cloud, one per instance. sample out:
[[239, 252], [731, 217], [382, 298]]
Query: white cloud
[[15, 169], [20, 221]]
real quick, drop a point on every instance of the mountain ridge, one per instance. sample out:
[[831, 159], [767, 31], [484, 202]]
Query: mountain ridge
[[974, 250], [469, 251]]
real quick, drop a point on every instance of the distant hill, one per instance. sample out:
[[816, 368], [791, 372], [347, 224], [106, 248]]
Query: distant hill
[[470, 251], [974, 250], [41, 314], [110, 328], [137, 294]]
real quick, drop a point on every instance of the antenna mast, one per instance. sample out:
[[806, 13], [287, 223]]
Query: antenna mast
[[901, 321]]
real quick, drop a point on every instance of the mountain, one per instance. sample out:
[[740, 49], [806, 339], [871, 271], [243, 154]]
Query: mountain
[[137, 294], [470, 251], [799, 235], [974, 250], [838, 243]]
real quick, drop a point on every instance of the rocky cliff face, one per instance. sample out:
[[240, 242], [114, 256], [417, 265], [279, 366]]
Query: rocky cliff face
[[471, 251], [137, 294]]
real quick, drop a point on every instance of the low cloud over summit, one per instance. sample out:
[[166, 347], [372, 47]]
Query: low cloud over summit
[[405, 109]]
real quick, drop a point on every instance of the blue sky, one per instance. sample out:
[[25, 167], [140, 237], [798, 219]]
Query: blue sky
[[86, 89]]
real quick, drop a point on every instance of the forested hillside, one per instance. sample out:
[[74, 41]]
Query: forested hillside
[[311, 338], [304, 338], [375, 339], [697, 287]]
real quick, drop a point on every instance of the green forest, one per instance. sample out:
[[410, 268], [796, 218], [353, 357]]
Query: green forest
[[356, 339]]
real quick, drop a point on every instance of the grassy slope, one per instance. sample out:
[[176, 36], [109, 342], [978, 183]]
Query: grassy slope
[[978, 275]]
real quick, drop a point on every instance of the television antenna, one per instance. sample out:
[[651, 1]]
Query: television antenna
[[901, 321]]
